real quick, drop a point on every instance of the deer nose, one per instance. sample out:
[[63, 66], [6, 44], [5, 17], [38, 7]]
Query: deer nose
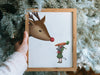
[[52, 39]]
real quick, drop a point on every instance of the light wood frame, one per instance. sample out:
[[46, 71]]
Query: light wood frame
[[74, 26]]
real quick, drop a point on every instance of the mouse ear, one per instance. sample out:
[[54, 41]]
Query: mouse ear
[[43, 19], [31, 22]]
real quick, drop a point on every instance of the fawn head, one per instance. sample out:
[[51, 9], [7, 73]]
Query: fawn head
[[38, 29]]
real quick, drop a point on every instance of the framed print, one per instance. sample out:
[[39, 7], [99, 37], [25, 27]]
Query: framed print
[[52, 39]]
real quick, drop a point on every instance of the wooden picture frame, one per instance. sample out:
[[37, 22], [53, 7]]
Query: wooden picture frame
[[74, 36]]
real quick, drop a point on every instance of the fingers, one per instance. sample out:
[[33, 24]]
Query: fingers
[[25, 38], [17, 44]]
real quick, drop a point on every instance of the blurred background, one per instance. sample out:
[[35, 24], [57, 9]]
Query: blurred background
[[12, 24]]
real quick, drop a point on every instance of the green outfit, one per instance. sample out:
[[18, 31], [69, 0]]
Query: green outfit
[[59, 55]]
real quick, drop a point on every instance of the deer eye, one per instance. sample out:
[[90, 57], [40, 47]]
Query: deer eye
[[40, 30]]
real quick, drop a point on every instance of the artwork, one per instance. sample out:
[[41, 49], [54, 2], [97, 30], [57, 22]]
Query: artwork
[[60, 51], [52, 39], [37, 28]]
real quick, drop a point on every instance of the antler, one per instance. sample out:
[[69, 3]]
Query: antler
[[30, 16], [36, 15]]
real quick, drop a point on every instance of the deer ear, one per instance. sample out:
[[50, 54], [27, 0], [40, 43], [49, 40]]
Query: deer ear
[[43, 19], [31, 22]]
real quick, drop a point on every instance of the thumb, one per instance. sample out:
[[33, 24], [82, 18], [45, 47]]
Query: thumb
[[25, 38]]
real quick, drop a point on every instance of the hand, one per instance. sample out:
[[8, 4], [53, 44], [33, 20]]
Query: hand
[[23, 47]]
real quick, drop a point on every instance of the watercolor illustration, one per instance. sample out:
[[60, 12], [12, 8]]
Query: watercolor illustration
[[38, 29], [60, 50], [50, 39]]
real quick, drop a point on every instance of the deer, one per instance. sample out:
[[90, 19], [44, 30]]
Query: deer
[[37, 28]]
